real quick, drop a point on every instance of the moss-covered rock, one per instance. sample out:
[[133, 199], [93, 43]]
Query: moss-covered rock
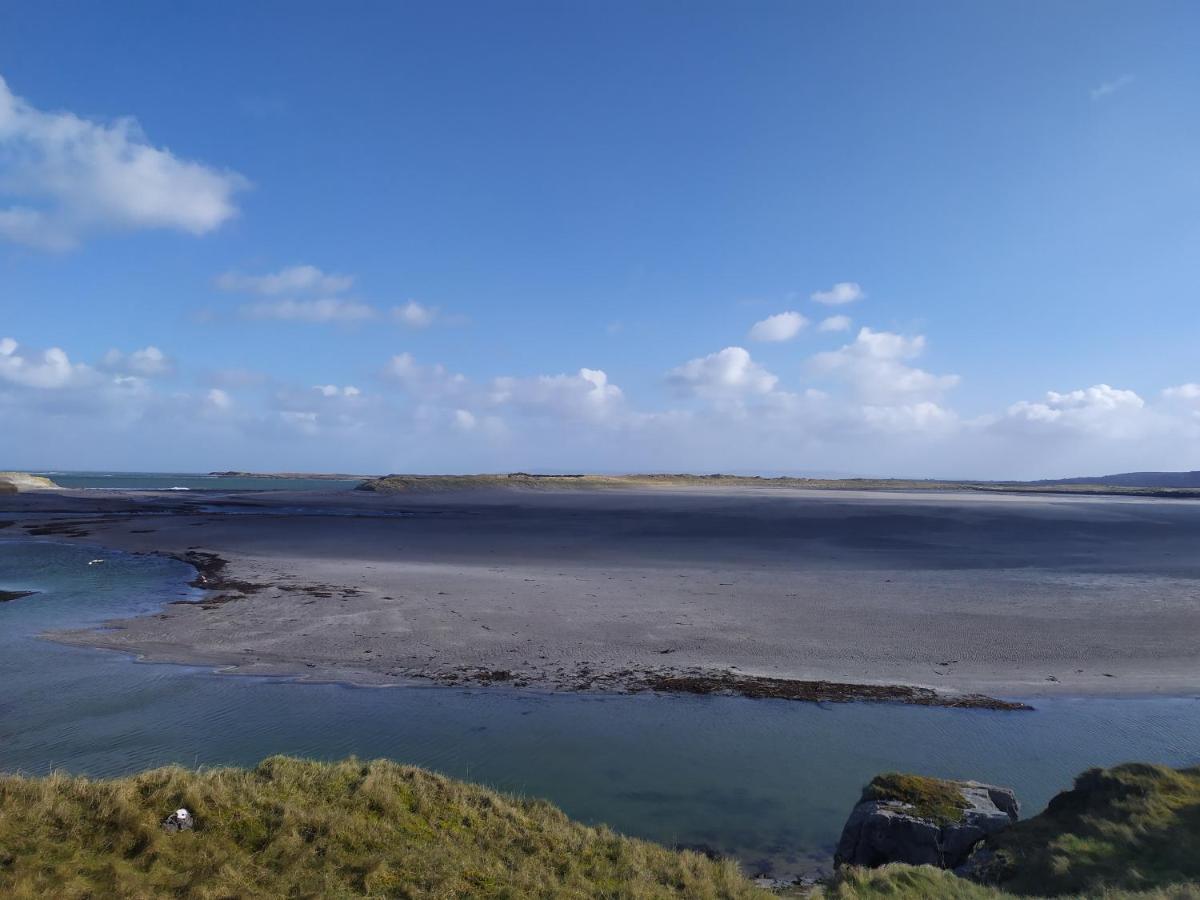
[[922, 821]]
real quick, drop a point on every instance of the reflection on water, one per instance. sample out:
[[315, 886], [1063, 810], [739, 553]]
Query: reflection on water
[[769, 781]]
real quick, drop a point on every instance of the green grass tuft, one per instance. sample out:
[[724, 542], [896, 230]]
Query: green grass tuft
[[1131, 827], [931, 798], [294, 828]]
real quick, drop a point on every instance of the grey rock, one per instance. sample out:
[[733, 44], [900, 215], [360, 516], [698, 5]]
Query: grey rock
[[886, 831]]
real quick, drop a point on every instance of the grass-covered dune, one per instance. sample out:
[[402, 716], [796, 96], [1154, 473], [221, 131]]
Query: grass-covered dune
[[1131, 827], [293, 828]]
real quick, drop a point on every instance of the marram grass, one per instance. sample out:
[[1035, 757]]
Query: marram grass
[[293, 828], [300, 829]]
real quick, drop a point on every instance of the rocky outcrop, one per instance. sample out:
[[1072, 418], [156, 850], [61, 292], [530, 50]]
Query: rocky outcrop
[[923, 821], [22, 481]]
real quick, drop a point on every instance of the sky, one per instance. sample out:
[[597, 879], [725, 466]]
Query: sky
[[924, 239]]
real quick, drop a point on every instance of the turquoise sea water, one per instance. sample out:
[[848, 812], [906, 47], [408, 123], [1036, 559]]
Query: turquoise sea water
[[192, 481], [768, 781]]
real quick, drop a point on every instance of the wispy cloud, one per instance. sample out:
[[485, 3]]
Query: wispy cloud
[[1109, 88], [328, 309], [293, 279], [304, 293]]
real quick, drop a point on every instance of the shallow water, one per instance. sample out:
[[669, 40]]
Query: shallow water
[[192, 481], [768, 781]]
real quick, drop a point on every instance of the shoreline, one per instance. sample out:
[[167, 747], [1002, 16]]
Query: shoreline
[[498, 590]]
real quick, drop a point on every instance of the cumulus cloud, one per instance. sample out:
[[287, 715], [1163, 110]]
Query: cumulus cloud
[[842, 292], [48, 369], [66, 178], [414, 314], [835, 323], [726, 373], [780, 327], [586, 394], [875, 365], [147, 362], [291, 280], [328, 309], [1100, 409]]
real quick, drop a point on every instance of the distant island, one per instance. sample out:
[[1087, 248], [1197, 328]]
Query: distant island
[[317, 476]]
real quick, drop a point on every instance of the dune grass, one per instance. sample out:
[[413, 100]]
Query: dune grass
[[300, 829], [899, 882], [293, 828], [1131, 827]]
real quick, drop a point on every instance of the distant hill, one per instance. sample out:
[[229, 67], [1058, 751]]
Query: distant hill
[[1135, 479]]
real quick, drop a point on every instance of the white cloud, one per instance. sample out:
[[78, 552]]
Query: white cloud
[[329, 309], [924, 416], [1100, 409], [1189, 391], [218, 399], [147, 362], [422, 381], [835, 323], [875, 366], [68, 178], [586, 394], [842, 292], [780, 327], [294, 279], [49, 369], [414, 314], [332, 390], [1108, 88], [726, 373]]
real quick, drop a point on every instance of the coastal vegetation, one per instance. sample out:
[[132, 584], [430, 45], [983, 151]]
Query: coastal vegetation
[[296, 828], [929, 798], [293, 828], [1132, 831]]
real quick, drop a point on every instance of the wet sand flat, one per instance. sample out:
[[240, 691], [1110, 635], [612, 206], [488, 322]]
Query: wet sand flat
[[999, 594]]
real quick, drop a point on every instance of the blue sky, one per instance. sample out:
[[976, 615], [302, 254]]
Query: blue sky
[[541, 235]]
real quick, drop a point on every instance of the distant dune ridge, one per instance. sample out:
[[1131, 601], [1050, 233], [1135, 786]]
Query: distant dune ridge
[[1137, 479], [390, 484]]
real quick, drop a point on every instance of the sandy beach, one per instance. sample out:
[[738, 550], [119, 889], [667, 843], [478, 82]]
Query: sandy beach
[[1002, 595]]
